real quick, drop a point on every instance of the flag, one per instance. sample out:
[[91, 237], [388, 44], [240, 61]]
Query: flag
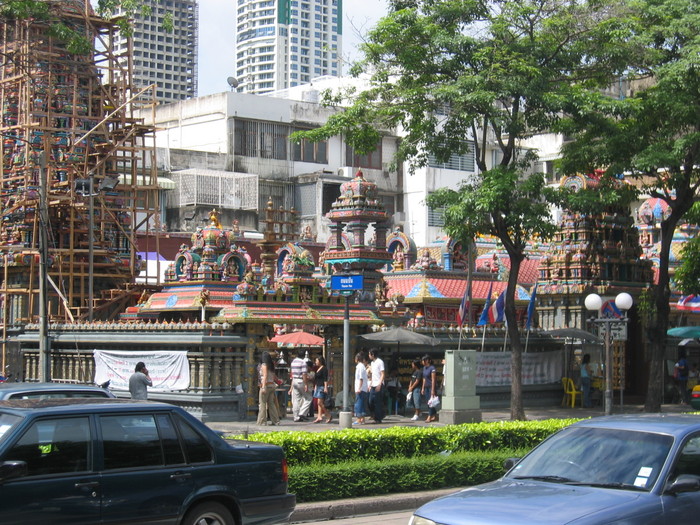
[[497, 310], [531, 308], [484, 319], [463, 312]]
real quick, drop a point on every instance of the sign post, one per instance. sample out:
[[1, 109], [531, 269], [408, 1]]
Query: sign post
[[347, 285]]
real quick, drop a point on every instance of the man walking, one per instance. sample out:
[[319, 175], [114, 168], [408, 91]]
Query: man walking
[[299, 389], [376, 390]]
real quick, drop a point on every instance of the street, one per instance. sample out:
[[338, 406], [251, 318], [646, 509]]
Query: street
[[391, 518]]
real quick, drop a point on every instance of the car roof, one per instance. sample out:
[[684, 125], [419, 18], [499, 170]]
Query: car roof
[[22, 387], [25, 407], [673, 424]]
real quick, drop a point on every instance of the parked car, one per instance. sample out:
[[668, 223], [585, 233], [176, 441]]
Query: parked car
[[695, 397], [49, 390], [630, 469], [112, 461]]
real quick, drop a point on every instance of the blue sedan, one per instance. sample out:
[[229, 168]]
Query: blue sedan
[[631, 469]]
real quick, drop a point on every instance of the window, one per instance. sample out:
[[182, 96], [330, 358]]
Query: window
[[54, 446], [196, 447], [265, 140], [307, 151], [372, 160], [130, 441], [463, 162]]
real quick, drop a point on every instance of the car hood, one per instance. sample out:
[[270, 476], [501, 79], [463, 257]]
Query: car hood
[[524, 502]]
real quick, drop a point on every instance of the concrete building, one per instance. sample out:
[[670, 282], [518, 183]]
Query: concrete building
[[233, 151], [165, 58], [285, 43]]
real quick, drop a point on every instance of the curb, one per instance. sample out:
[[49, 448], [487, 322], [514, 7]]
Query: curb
[[348, 508]]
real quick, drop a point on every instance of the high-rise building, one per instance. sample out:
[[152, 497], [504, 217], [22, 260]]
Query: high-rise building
[[166, 58], [284, 43]]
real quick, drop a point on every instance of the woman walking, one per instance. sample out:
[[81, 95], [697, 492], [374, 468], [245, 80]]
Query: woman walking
[[429, 385], [321, 390], [266, 398]]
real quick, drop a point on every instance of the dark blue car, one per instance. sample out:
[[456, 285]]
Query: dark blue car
[[90, 461], [633, 470]]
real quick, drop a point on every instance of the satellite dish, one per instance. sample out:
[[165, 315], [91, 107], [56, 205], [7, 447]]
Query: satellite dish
[[233, 82]]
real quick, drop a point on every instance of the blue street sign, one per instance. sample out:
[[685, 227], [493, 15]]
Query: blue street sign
[[347, 282]]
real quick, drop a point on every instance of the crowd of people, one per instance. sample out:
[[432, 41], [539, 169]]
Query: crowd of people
[[311, 393]]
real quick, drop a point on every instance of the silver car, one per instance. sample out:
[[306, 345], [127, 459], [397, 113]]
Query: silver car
[[50, 390], [630, 469]]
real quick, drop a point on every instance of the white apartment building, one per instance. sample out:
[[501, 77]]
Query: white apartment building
[[165, 58], [232, 151], [285, 43]]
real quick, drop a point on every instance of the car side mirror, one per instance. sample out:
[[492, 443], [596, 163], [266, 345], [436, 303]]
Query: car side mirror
[[510, 463], [12, 470], [684, 483]]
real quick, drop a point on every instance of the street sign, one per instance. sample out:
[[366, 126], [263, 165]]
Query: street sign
[[347, 282]]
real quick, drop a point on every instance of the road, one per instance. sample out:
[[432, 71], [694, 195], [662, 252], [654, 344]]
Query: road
[[390, 518]]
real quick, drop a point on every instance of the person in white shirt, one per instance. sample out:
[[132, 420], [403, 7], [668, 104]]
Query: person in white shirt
[[376, 386], [299, 389], [361, 388]]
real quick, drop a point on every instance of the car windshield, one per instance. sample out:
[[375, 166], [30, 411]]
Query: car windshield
[[601, 457], [7, 421]]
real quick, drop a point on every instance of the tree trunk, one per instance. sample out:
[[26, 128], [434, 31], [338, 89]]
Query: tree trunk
[[517, 412], [659, 324]]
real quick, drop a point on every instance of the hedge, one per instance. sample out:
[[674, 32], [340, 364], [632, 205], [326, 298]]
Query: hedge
[[338, 446], [353, 479]]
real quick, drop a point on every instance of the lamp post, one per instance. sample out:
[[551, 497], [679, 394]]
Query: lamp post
[[594, 303]]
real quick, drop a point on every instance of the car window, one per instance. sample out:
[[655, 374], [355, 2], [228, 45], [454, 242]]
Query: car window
[[171, 443], [688, 458], [53, 446], [196, 446], [7, 421], [130, 441]]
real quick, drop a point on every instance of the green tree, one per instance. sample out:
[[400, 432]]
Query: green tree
[[652, 135], [457, 75]]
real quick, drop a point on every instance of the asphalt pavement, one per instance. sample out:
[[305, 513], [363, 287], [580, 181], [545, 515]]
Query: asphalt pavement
[[328, 510]]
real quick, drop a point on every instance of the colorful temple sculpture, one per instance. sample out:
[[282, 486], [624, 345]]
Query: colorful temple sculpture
[[75, 180]]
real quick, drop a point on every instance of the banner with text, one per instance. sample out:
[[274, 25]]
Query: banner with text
[[539, 368], [168, 370]]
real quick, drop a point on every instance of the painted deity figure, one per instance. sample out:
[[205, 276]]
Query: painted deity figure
[[398, 258]]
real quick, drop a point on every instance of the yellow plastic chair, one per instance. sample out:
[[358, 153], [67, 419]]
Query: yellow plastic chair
[[570, 392]]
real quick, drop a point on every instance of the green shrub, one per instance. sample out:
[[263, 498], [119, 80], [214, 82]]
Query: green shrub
[[337, 446], [352, 479]]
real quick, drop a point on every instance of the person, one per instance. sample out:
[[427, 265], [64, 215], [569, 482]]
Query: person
[[428, 386], [361, 388], [321, 390], [680, 373], [139, 382], [393, 389], [266, 397], [299, 389], [376, 386], [414, 398], [586, 380]]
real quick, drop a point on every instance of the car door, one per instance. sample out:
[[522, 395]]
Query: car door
[[144, 477], [61, 486], [683, 507]]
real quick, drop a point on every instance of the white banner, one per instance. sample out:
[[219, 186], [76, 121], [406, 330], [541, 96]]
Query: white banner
[[168, 370], [539, 368]]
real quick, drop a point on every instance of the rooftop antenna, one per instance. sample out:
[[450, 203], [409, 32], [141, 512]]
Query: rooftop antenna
[[233, 82]]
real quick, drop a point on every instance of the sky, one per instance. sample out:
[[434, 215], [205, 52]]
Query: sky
[[217, 22]]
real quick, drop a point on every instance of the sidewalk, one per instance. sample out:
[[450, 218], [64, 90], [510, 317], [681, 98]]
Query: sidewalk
[[328, 510]]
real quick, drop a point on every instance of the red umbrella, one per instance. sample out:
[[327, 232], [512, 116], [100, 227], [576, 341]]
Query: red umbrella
[[298, 339]]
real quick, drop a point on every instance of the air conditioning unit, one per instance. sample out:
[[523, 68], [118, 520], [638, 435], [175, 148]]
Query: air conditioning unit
[[347, 171], [399, 217]]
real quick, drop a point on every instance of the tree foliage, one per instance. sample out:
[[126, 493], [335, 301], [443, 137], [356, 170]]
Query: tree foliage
[[460, 75], [652, 135]]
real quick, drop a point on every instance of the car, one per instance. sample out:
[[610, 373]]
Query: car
[[627, 469], [48, 390], [114, 461], [695, 397]]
